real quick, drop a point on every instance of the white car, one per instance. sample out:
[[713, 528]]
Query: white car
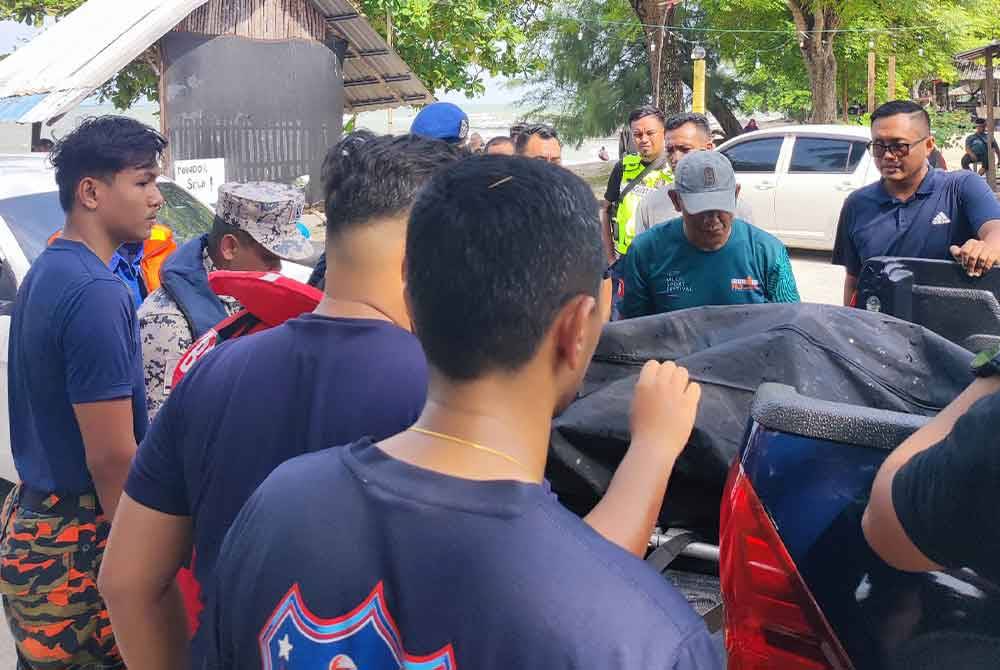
[[30, 213], [797, 177]]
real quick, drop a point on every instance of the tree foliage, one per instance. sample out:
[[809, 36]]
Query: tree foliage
[[449, 45]]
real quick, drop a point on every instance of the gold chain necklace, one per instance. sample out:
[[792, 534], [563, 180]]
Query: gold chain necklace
[[467, 443]]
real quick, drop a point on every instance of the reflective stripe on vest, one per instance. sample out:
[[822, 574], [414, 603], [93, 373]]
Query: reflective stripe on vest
[[629, 205]]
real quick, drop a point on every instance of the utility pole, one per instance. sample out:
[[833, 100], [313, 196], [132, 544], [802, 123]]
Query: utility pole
[[871, 77], [698, 85], [892, 77], [847, 101]]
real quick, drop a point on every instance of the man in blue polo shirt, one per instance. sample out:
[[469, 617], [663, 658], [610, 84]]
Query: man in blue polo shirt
[[77, 403], [707, 257], [914, 211]]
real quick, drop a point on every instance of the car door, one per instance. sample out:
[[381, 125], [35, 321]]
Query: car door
[[755, 163], [822, 172]]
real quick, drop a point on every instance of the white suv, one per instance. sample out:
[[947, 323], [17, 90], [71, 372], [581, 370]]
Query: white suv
[[797, 177], [29, 214]]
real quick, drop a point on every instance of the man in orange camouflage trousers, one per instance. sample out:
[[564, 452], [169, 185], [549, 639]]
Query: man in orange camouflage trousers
[[51, 553], [77, 399]]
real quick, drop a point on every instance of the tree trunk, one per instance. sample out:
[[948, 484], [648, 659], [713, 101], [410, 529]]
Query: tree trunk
[[663, 47], [724, 115], [816, 44]]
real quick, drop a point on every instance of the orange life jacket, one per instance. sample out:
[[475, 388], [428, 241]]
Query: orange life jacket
[[155, 252]]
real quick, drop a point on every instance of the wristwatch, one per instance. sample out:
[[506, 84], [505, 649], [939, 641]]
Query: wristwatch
[[987, 363]]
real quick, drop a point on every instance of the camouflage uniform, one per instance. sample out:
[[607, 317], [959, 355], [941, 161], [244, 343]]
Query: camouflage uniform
[[49, 561], [165, 336], [272, 214]]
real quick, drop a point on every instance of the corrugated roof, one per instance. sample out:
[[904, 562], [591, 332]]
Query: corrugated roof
[[70, 60], [978, 52], [67, 62], [375, 77]]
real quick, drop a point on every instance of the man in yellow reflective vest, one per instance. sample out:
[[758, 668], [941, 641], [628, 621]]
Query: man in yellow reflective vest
[[632, 179]]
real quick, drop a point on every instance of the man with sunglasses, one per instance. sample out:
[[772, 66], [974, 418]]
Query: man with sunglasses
[[686, 133], [914, 211]]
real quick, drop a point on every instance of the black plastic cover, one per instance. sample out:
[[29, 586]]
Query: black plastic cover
[[827, 353]]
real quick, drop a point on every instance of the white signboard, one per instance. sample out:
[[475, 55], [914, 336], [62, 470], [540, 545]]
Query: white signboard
[[201, 178]]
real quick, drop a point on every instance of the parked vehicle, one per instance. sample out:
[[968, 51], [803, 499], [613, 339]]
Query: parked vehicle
[[797, 177], [802, 588], [30, 213]]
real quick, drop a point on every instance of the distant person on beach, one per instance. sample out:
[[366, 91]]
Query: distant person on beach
[[476, 143], [540, 141], [750, 126], [603, 154], [500, 146], [977, 148]]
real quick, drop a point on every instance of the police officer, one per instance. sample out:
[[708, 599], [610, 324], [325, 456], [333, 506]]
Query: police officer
[[256, 225]]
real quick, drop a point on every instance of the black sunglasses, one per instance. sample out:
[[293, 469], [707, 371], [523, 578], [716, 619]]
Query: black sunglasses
[[897, 149]]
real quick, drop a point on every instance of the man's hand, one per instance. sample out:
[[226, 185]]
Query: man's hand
[[663, 412], [976, 257], [664, 408]]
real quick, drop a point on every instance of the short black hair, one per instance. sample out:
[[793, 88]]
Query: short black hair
[[979, 121], [897, 107], [375, 177], [517, 129], [496, 141], [102, 147], [496, 246], [647, 110], [700, 120], [542, 130]]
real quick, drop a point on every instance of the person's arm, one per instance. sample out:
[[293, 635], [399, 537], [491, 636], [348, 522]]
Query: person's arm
[[109, 442], [165, 337], [983, 213], [637, 301], [845, 253], [663, 413], [150, 540], [781, 286], [101, 356], [145, 550], [881, 522]]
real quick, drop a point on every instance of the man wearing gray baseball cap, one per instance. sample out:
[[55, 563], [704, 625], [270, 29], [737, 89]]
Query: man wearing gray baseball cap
[[708, 256]]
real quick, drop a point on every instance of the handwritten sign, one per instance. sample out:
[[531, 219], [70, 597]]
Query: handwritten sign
[[201, 178]]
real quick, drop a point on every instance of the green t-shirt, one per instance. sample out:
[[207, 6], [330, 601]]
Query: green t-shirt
[[664, 272]]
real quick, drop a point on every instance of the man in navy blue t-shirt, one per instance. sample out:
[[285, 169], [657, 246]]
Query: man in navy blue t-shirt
[[350, 369], [77, 402], [442, 547], [914, 211]]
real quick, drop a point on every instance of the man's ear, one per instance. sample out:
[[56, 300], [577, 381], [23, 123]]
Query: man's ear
[[88, 192], [571, 330], [229, 247], [676, 199]]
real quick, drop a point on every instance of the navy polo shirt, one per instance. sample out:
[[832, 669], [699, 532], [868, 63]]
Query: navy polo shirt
[[74, 339], [126, 264], [948, 208]]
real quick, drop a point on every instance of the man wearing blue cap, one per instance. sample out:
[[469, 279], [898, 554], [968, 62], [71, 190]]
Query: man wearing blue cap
[[442, 121], [707, 257]]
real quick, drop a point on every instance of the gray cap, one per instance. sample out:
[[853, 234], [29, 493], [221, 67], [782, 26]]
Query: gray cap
[[705, 181], [271, 213]]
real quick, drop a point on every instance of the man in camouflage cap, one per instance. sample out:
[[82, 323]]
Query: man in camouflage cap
[[256, 226]]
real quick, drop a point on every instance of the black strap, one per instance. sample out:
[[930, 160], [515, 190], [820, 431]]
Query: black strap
[[655, 165]]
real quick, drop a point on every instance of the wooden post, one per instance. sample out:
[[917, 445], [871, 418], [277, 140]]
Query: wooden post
[[991, 161], [388, 41], [892, 77], [871, 81]]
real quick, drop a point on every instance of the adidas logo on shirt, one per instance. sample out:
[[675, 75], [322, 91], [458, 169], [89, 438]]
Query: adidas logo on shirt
[[940, 220]]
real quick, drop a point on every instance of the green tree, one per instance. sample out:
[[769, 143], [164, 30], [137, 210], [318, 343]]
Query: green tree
[[449, 45]]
